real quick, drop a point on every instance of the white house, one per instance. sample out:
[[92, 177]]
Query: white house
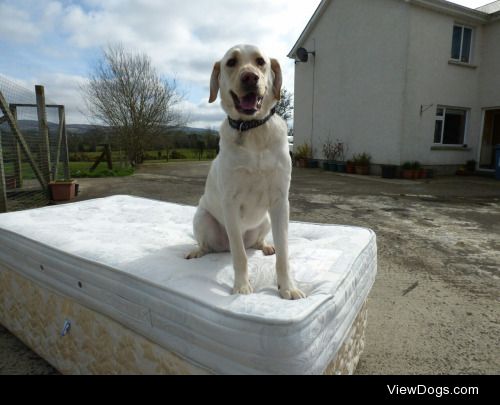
[[403, 80]]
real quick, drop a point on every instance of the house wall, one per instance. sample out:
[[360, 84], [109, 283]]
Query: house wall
[[377, 65], [489, 79], [433, 81], [358, 76]]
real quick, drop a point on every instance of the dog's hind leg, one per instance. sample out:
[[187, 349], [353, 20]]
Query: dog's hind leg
[[256, 238], [210, 235]]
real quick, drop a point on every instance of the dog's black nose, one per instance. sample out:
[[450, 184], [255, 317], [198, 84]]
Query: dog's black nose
[[249, 79]]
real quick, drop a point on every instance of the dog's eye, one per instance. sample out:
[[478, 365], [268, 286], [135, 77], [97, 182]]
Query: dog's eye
[[232, 62], [261, 62]]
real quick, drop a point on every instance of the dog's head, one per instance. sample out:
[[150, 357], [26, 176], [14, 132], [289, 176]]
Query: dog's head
[[249, 83]]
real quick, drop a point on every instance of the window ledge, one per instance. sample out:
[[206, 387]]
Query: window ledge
[[451, 148], [463, 64]]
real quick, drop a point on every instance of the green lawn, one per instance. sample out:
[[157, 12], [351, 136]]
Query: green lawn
[[81, 169], [174, 154]]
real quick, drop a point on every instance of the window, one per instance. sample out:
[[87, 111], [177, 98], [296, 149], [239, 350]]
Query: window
[[451, 124], [462, 44]]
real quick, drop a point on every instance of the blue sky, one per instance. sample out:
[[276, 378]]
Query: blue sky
[[56, 43]]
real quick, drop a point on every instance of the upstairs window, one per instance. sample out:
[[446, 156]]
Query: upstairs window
[[462, 44], [451, 124]]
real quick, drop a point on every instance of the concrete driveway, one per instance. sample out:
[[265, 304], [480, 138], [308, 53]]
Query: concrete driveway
[[435, 306]]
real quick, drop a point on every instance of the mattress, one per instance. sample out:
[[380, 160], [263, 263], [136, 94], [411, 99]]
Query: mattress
[[122, 258]]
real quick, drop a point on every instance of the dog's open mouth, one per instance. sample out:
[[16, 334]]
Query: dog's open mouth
[[249, 104]]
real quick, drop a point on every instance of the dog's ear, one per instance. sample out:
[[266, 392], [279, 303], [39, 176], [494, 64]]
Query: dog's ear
[[278, 78], [214, 83]]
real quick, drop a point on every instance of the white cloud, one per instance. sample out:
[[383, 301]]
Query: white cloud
[[202, 114], [184, 38], [16, 25]]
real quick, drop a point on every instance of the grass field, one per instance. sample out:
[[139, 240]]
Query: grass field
[[81, 162], [77, 170], [174, 154]]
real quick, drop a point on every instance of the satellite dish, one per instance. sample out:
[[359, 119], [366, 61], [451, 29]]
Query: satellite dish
[[303, 55]]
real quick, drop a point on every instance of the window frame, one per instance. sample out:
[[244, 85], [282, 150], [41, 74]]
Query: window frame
[[463, 27], [443, 125]]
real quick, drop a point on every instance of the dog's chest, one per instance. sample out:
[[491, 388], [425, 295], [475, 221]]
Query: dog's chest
[[260, 181]]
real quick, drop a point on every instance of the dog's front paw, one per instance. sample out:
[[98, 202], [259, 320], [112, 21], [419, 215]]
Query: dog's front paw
[[292, 294], [268, 250], [242, 289], [195, 254]]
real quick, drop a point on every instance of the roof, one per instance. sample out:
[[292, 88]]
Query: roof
[[490, 8], [481, 15]]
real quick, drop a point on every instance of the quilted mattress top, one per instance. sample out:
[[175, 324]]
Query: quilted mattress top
[[124, 256]]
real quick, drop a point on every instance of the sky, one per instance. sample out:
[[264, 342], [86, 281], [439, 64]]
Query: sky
[[57, 43]]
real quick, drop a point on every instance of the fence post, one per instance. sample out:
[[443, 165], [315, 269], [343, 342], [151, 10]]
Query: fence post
[[18, 162], [3, 186], [44, 134], [67, 172]]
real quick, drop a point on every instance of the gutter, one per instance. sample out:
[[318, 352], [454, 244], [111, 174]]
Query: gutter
[[455, 10], [309, 27]]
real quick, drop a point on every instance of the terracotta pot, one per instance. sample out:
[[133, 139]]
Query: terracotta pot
[[10, 182], [62, 191], [409, 174], [363, 170]]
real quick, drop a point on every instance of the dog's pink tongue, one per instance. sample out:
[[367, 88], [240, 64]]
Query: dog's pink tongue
[[249, 102]]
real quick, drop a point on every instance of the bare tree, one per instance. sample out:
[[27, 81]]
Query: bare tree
[[126, 93], [284, 108]]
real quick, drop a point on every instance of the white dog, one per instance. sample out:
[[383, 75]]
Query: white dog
[[248, 185]]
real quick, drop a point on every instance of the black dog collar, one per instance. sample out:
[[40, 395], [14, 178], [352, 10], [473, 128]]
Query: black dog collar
[[243, 126]]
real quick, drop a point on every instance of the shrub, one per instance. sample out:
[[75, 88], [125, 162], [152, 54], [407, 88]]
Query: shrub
[[304, 152], [362, 159]]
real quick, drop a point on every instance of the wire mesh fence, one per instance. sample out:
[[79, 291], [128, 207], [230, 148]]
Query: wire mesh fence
[[33, 148]]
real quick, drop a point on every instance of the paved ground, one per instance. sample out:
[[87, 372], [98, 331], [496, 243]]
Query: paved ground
[[435, 306]]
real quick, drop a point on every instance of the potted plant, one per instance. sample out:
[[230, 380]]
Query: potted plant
[[413, 171], [362, 164], [341, 151], [303, 154], [419, 171], [389, 171], [62, 190], [471, 166], [313, 163], [350, 167], [10, 182], [330, 153]]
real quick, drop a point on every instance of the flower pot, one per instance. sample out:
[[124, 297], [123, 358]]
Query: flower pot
[[62, 191], [408, 174], [389, 171], [302, 163], [363, 170], [341, 167], [10, 182], [313, 164]]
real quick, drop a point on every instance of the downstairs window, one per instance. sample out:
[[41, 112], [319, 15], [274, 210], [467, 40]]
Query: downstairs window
[[451, 124]]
